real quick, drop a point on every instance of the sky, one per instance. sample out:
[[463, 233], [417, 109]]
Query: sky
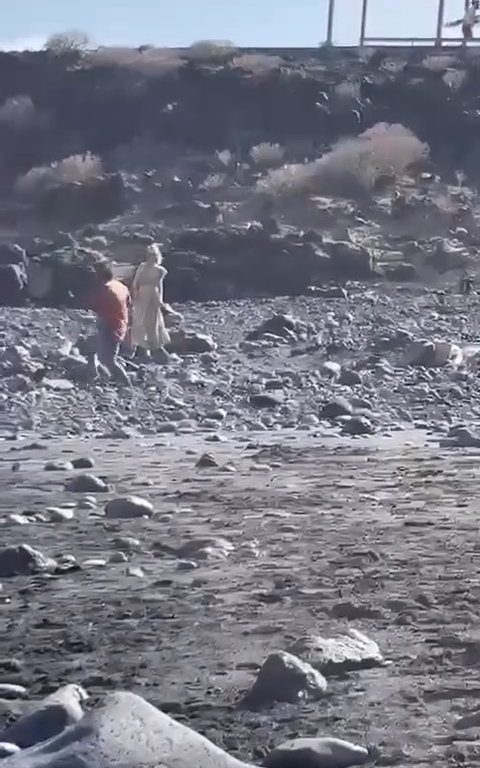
[[275, 23]]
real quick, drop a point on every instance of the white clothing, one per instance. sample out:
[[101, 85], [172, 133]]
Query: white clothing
[[148, 325]]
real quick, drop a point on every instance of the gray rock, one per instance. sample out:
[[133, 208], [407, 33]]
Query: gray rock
[[126, 731], [58, 466], [205, 549], [7, 749], [331, 370], [358, 425], [125, 507], [339, 654], [335, 408], [283, 677], [317, 753], [11, 691], [47, 718], [24, 560], [83, 462], [350, 378], [184, 342], [86, 484], [206, 460], [264, 401], [59, 515]]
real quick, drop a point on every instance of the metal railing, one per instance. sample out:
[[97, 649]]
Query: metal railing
[[437, 41]]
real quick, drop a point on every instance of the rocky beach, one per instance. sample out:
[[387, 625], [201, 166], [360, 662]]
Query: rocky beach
[[263, 552]]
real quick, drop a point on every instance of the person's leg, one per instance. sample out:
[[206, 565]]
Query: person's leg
[[108, 355]]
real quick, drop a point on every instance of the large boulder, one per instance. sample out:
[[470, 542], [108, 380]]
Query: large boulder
[[125, 731]]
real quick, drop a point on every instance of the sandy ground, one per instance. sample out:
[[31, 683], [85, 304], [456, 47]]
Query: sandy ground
[[383, 530]]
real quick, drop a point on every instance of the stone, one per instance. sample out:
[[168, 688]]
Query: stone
[[206, 460], [317, 753], [128, 507], [11, 691], [434, 354], [83, 462], [184, 342], [58, 466], [118, 557], [128, 731], [7, 749], [24, 560], [59, 514], [126, 543], [340, 654], [335, 408], [357, 425], [86, 483], [331, 370], [350, 378], [136, 571], [205, 549], [263, 400], [284, 677], [47, 718]]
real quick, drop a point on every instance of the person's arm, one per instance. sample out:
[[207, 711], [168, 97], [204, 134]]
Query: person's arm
[[162, 272]]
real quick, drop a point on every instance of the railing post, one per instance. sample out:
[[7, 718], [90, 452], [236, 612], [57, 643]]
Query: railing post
[[331, 16], [363, 27], [440, 18]]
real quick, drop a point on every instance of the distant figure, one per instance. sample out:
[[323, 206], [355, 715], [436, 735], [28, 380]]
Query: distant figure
[[468, 21], [466, 285], [148, 325], [110, 300]]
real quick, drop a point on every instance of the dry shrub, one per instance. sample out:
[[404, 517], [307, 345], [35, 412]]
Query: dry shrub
[[353, 166], [257, 63], [454, 78], [77, 168], [146, 61], [210, 50], [267, 155], [72, 41], [18, 112]]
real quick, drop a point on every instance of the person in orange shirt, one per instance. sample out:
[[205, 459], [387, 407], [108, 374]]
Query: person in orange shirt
[[110, 300]]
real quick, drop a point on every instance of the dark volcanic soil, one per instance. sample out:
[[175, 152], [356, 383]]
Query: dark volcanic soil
[[388, 526]]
